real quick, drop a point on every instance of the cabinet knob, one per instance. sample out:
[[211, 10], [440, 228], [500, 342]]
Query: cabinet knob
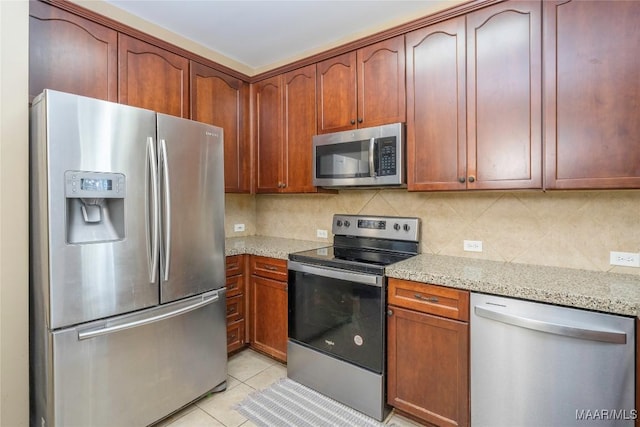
[[389, 312], [461, 179], [472, 179], [353, 122], [360, 120]]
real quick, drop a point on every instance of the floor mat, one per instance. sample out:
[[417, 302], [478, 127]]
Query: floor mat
[[287, 403]]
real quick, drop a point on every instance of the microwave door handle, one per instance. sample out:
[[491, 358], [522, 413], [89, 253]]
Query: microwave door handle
[[372, 147]]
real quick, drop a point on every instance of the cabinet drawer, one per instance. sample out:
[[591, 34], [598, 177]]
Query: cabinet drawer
[[235, 335], [235, 285], [235, 265], [235, 308], [271, 268], [432, 299]]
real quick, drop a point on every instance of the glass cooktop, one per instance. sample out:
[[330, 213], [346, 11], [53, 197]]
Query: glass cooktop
[[355, 259]]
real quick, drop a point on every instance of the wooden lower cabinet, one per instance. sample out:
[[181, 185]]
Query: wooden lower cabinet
[[268, 308], [428, 355], [236, 303]]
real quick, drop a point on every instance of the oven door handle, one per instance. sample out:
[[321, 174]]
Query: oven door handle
[[366, 279]]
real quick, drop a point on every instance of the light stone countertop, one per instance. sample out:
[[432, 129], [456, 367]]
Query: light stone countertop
[[593, 290], [273, 247]]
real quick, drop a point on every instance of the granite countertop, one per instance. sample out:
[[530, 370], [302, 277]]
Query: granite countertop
[[273, 247], [592, 290]]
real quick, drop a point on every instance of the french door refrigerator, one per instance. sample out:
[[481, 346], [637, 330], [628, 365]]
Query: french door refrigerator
[[127, 251]]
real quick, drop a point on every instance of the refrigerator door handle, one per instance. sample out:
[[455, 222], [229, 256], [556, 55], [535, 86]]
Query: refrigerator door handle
[[613, 337], [152, 241], [167, 209], [206, 300]]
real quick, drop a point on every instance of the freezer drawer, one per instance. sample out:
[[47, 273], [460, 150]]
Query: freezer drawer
[[135, 369], [535, 364]]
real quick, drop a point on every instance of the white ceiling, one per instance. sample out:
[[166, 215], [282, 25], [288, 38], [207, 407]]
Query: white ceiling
[[268, 33]]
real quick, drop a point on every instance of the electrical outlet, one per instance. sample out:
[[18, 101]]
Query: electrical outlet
[[472, 245], [238, 227], [323, 234], [626, 259]]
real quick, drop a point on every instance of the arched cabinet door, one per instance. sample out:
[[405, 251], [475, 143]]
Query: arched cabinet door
[[362, 88], [504, 87], [300, 126], [381, 83], [336, 88], [151, 77], [268, 135], [222, 100], [71, 54], [436, 107]]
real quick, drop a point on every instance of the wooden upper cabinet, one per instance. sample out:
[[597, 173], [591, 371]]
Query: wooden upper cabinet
[[336, 88], [151, 77], [436, 107], [71, 54], [222, 100], [285, 109], [268, 135], [474, 101], [504, 106], [381, 83], [300, 126], [592, 94], [362, 88]]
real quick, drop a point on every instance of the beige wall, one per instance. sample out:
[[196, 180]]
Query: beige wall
[[14, 280], [574, 229]]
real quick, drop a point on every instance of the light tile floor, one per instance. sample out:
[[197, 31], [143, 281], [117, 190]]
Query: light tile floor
[[248, 371]]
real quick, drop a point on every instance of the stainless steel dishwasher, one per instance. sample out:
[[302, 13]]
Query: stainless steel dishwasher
[[535, 364]]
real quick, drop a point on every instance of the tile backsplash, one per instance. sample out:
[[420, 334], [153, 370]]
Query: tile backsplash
[[574, 229]]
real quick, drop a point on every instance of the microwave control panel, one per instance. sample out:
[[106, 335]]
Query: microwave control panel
[[387, 155]]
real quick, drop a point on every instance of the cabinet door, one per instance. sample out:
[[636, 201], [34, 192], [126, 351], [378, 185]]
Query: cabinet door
[[337, 107], [269, 316], [222, 100], [300, 126], [428, 367], [436, 119], [381, 83], [71, 54], [268, 137], [152, 78], [504, 148], [592, 95]]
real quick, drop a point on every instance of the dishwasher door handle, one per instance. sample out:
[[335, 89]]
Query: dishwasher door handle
[[552, 328]]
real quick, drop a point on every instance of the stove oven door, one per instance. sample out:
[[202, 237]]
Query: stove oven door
[[339, 313]]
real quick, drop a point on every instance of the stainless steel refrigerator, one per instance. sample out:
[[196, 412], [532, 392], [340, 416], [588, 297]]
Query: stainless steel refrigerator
[[128, 273]]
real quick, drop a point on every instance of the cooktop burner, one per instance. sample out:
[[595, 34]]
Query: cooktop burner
[[366, 243]]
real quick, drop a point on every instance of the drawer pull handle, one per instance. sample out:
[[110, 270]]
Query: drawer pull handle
[[430, 299], [270, 268], [231, 309]]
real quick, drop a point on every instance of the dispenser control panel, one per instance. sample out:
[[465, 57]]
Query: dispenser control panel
[[101, 185]]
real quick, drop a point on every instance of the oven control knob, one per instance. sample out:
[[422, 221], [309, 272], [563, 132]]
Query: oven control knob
[[406, 227], [396, 226], [339, 223], [347, 223]]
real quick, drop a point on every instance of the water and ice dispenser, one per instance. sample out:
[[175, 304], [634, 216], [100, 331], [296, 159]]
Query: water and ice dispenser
[[94, 206]]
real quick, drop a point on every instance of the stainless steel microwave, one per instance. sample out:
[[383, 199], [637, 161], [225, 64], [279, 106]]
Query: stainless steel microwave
[[368, 157]]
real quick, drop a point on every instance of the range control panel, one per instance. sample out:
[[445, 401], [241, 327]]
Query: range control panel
[[380, 227]]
